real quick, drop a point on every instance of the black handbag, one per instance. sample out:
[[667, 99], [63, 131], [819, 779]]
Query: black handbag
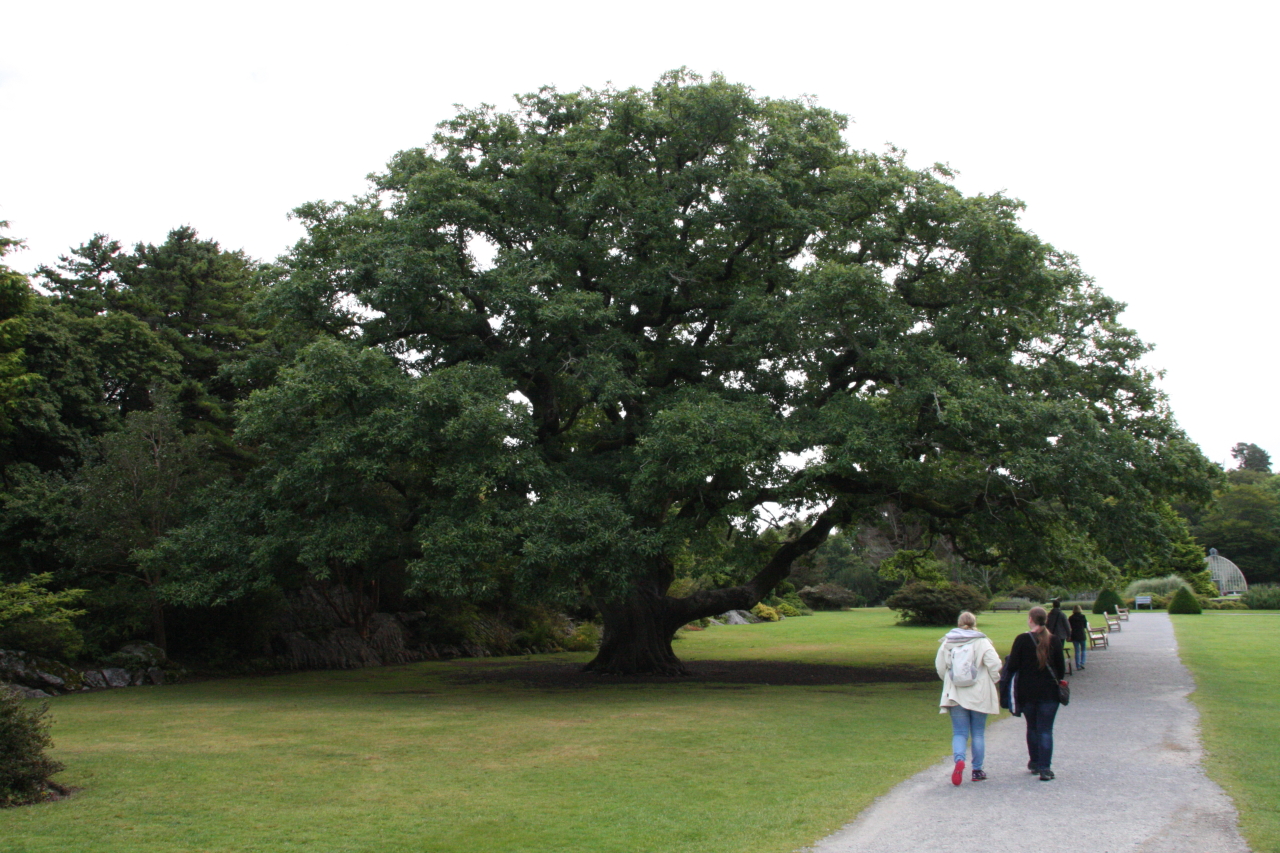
[[1006, 689], [1064, 693]]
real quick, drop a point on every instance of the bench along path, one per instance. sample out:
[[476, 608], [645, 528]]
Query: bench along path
[[1127, 757]]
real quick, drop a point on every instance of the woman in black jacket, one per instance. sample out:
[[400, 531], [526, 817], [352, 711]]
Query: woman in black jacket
[[1079, 634], [1036, 658]]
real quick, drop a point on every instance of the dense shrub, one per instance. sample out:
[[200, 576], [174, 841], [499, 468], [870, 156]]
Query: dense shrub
[[1030, 592], [830, 596], [925, 604], [765, 613], [1262, 597], [1225, 605], [796, 603], [788, 610], [1165, 586], [1107, 602], [585, 638], [1184, 601], [24, 768]]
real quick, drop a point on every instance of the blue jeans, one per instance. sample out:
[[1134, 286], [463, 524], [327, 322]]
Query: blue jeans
[[1039, 716], [966, 724], [1081, 653]]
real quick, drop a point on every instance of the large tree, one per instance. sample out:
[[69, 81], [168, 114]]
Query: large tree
[[707, 304]]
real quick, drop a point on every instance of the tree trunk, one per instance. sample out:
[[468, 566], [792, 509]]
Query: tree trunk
[[638, 630], [157, 625], [637, 636]]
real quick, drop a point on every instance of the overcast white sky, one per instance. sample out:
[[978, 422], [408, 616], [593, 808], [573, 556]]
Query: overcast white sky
[[1141, 135]]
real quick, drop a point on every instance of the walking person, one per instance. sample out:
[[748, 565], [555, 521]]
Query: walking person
[[1059, 625], [1036, 660], [969, 667], [1079, 635]]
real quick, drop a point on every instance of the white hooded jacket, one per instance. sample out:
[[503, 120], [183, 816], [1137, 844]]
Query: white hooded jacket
[[982, 695]]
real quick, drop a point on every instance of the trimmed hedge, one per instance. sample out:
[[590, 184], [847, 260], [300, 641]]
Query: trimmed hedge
[[1107, 602], [1184, 601]]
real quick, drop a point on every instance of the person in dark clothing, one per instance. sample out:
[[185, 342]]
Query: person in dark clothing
[[1058, 623], [1037, 660], [1079, 635]]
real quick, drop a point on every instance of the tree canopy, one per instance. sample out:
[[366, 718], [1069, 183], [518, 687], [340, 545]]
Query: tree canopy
[[1251, 457], [691, 303]]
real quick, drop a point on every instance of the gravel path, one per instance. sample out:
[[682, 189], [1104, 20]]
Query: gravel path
[[1127, 758]]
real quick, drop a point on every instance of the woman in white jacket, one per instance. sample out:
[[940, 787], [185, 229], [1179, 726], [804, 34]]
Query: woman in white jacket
[[969, 690]]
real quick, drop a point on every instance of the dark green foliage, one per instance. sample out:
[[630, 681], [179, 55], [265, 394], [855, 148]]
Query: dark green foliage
[[926, 604], [690, 285], [24, 736], [1262, 597], [1030, 592], [1244, 525], [1107, 602], [1252, 457], [830, 596], [1184, 601], [15, 301]]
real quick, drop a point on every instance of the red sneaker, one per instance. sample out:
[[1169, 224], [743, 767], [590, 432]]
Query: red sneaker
[[957, 775]]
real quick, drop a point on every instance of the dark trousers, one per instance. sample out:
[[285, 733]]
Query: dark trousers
[[1039, 717]]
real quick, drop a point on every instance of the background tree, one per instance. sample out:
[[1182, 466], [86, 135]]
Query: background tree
[[359, 464], [1251, 457], [15, 299], [691, 288], [196, 299], [135, 487], [1243, 523]]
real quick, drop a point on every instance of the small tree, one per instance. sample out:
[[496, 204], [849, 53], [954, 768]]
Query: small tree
[[24, 768], [1107, 602], [1184, 602]]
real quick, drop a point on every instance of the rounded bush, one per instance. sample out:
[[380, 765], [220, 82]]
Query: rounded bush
[[787, 610], [925, 604], [765, 613], [1184, 601], [1107, 602]]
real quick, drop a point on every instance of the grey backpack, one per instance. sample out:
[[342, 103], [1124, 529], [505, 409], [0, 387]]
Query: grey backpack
[[964, 664]]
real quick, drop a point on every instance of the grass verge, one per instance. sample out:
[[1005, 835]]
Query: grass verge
[[404, 758], [1234, 657]]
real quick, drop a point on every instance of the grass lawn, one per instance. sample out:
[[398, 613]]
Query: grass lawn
[[405, 758], [1235, 658]]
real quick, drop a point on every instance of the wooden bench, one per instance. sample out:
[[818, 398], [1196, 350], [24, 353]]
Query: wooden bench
[[1113, 621], [1097, 637], [1122, 613], [1141, 600], [1010, 605]]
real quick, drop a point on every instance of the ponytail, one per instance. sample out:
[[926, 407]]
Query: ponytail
[[1042, 635]]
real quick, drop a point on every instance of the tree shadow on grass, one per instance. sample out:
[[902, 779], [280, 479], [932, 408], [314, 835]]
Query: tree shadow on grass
[[545, 675]]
